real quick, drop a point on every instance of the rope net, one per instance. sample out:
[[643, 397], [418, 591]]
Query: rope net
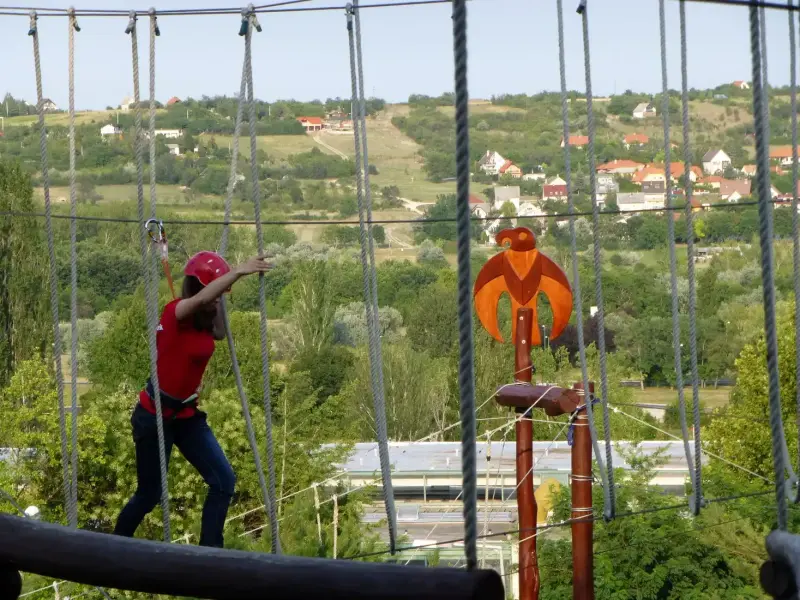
[[782, 463]]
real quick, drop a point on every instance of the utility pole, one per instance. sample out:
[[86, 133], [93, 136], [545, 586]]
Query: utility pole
[[582, 524], [335, 522]]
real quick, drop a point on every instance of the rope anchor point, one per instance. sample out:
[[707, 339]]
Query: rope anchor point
[[131, 22], [152, 13], [34, 18]]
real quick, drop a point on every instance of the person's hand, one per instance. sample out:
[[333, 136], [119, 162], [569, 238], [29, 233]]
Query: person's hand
[[257, 264]]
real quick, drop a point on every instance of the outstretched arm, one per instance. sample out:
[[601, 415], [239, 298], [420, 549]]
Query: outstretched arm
[[209, 294]]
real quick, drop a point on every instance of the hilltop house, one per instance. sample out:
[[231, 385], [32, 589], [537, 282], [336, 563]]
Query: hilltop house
[[110, 129], [645, 110], [170, 134], [577, 141], [782, 155], [605, 186], [310, 124], [506, 193], [716, 161], [734, 189], [173, 100], [742, 85], [635, 139], [127, 103], [479, 208], [749, 170], [555, 189], [491, 163], [620, 167], [48, 105], [510, 169]]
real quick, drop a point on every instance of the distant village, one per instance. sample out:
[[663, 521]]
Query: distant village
[[718, 181]]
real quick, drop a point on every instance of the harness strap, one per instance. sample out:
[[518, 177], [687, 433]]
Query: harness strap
[[176, 405]]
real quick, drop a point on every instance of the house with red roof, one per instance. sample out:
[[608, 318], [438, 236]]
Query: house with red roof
[[620, 167], [555, 189], [510, 169], [311, 124], [635, 139], [742, 85], [173, 100], [577, 141], [781, 154]]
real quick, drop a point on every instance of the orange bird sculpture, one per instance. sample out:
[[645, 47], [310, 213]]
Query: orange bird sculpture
[[521, 271]]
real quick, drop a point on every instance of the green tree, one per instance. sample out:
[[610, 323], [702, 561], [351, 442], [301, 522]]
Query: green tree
[[24, 321]]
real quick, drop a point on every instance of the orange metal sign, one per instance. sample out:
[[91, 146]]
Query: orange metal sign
[[522, 272]]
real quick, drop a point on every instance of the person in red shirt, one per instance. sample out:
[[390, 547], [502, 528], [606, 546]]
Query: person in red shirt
[[185, 341]]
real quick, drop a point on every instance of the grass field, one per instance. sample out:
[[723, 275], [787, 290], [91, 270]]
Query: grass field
[[86, 117], [167, 194], [712, 398], [276, 146]]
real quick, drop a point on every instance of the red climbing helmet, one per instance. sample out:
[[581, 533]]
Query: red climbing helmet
[[206, 266]]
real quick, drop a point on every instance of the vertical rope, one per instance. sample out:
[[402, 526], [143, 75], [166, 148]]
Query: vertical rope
[[767, 275], [151, 299], [270, 496], [697, 481], [795, 222], [466, 374], [223, 246], [51, 251], [576, 279], [73, 273], [369, 274], [610, 508]]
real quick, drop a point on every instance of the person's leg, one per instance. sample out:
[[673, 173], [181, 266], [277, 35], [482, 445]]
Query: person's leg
[[197, 443], [148, 471]]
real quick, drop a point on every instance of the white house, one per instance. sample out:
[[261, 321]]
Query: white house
[[170, 134], [491, 162], [529, 209], [48, 105], [716, 161], [506, 193], [638, 201], [644, 110], [534, 177], [605, 186], [174, 149], [110, 129], [127, 103]]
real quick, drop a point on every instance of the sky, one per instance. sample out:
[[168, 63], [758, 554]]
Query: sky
[[513, 48]]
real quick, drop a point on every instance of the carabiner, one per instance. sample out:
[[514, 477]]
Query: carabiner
[[160, 228]]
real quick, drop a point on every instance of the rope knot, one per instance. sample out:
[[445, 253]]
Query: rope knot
[[131, 22], [34, 18], [73, 19], [249, 18], [154, 20]]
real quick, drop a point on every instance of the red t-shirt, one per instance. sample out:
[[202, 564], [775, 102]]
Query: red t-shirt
[[183, 353]]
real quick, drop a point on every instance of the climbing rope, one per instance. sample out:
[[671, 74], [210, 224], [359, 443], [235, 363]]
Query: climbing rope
[[151, 299], [576, 279], [262, 289], [610, 507], [795, 222], [72, 25], [466, 363], [368, 271], [697, 480], [767, 275], [673, 262], [71, 509], [246, 96]]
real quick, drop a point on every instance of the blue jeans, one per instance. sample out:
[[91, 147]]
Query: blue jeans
[[197, 443]]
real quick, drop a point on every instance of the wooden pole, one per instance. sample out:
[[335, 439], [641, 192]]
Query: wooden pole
[[335, 523], [526, 501], [582, 526]]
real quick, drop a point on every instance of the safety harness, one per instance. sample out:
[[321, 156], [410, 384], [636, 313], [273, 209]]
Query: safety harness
[[176, 405]]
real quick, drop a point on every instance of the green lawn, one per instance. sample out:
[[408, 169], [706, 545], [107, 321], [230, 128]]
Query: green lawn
[[712, 398], [276, 146], [86, 117], [166, 194]]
